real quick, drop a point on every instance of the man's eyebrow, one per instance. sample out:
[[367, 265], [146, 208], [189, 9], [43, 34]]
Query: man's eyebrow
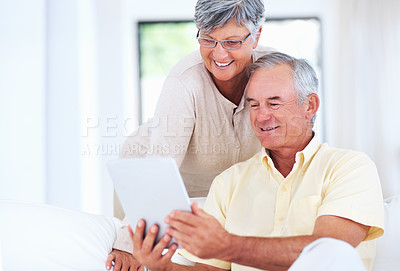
[[249, 99]]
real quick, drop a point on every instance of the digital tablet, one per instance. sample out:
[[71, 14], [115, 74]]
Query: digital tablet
[[149, 188]]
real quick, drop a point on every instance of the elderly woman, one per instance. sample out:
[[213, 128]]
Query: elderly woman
[[201, 118]]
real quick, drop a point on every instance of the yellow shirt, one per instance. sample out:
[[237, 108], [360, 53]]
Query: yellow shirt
[[252, 198]]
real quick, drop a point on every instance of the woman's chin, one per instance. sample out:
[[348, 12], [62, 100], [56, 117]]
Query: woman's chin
[[222, 75]]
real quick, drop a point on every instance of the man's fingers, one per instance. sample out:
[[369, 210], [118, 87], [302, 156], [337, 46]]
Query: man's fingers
[[161, 245], [178, 235], [182, 227], [130, 231], [183, 217], [109, 260], [185, 245], [138, 236], [148, 241], [170, 253], [195, 208], [198, 211]]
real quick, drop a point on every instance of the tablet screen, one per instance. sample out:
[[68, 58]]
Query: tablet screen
[[149, 188]]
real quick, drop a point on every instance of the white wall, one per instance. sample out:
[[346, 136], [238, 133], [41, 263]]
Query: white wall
[[85, 102], [22, 100], [61, 97], [63, 104]]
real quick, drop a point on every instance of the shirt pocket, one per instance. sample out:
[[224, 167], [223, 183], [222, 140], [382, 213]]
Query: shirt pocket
[[305, 213]]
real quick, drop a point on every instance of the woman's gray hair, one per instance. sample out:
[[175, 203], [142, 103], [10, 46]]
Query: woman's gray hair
[[304, 76], [211, 14]]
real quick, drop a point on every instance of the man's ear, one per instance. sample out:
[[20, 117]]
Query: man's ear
[[258, 33], [312, 106]]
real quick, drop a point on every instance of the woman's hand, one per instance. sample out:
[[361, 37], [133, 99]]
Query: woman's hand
[[123, 261]]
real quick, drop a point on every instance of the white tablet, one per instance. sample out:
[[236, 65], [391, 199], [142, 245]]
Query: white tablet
[[149, 188]]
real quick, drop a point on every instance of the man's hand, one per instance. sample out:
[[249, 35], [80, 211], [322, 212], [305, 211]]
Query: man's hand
[[147, 253], [123, 261], [199, 233]]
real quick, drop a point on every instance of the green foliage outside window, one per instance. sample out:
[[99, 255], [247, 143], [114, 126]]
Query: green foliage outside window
[[165, 44]]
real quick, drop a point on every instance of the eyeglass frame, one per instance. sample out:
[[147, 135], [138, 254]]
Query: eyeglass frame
[[221, 41]]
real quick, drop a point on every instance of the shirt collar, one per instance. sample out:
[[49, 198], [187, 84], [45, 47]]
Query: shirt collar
[[266, 159], [303, 157], [310, 150]]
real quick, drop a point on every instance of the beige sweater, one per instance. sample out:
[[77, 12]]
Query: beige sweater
[[196, 125]]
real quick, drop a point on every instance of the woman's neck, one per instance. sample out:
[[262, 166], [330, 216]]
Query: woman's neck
[[233, 89]]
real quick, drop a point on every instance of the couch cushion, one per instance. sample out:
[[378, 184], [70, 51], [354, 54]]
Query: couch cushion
[[388, 253], [43, 237]]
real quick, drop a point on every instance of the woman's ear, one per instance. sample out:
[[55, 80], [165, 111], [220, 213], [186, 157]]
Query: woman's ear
[[258, 33], [313, 105]]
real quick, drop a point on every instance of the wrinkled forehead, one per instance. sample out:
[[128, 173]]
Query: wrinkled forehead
[[275, 81]]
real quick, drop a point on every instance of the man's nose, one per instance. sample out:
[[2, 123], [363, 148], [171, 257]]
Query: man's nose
[[264, 113]]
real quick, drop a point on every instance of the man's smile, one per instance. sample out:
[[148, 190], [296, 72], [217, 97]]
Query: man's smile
[[269, 128]]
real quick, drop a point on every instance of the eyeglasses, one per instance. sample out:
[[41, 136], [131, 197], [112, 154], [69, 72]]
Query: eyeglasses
[[227, 44]]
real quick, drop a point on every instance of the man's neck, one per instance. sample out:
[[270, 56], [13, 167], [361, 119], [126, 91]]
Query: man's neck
[[285, 158], [283, 163]]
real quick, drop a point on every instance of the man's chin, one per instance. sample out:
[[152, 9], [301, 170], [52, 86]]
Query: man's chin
[[270, 142]]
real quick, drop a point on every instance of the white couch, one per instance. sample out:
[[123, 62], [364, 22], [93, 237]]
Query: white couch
[[46, 238], [41, 237]]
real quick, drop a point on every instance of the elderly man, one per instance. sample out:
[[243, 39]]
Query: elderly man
[[273, 211]]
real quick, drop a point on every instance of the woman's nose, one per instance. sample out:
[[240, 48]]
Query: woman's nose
[[220, 52]]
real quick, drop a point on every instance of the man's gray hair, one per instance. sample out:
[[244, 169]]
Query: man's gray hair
[[211, 14], [304, 76]]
